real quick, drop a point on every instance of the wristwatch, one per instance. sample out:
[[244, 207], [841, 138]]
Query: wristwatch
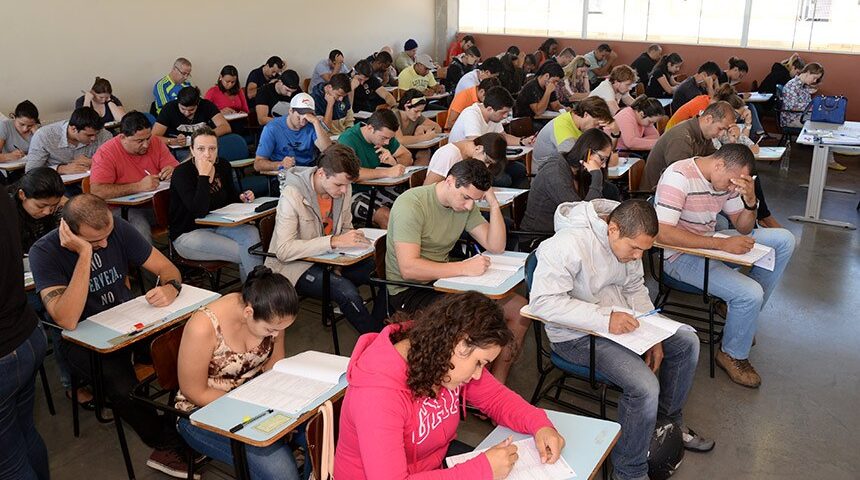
[[174, 284], [753, 207], [615, 135], [521, 141]]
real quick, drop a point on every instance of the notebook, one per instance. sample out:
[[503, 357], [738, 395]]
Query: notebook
[[652, 330], [528, 466], [138, 314], [372, 234], [236, 211], [294, 382], [501, 268]]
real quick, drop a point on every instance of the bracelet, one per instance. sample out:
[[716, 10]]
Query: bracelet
[[753, 207], [521, 141], [615, 135]]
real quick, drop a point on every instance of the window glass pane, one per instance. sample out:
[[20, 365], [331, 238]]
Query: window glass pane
[[635, 20], [674, 21], [565, 18], [777, 27], [526, 17], [495, 16], [473, 16], [721, 23], [604, 19], [835, 27]]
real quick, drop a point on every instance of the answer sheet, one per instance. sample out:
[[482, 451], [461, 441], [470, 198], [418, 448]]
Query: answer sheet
[[137, 314], [281, 391], [501, 268], [528, 466]]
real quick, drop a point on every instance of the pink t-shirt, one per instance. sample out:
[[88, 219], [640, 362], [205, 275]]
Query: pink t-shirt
[[222, 100], [112, 164]]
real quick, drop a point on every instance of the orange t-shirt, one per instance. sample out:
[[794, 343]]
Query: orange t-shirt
[[689, 110], [325, 212], [463, 99]]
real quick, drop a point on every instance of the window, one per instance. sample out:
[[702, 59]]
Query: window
[[818, 25]]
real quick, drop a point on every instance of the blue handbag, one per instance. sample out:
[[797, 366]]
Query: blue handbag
[[829, 109]]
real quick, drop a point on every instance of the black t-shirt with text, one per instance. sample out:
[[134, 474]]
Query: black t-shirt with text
[[531, 93], [177, 123]]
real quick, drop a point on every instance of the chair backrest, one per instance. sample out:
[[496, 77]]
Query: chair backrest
[[417, 178], [529, 270], [164, 350], [754, 86], [232, 147], [266, 226], [640, 89], [521, 127], [314, 434], [85, 185], [634, 175], [442, 118], [306, 84], [379, 257], [161, 208]]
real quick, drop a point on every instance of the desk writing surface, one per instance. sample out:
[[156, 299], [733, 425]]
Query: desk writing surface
[[13, 165], [756, 97], [235, 116], [587, 440], [770, 153], [514, 156], [846, 134], [506, 193], [226, 412], [548, 114], [362, 115], [665, 102], [245, 162], [139, 198], [71, 178], [214, 219], [391, 181], [337, 259], [433, 142], [624, 164], [496, 292], [705, 253]]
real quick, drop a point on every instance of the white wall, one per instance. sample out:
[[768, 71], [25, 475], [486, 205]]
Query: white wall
[[55, 48]]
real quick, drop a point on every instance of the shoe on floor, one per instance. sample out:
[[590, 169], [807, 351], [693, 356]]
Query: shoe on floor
[[170, 461], [837, 166], [695, 442], [739, 371]]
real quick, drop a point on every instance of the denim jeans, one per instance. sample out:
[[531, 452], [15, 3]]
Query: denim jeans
[[141, 218], [222, 243], [745, 295], [643, 393], [755, 121], [25, 456], [264, 463], [344, 292]]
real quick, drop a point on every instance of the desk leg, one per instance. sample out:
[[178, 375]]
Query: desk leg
[[240, 460], [123, 445], [98, 386], [327, 317], [124, 213], [817, 182], [369, 220]]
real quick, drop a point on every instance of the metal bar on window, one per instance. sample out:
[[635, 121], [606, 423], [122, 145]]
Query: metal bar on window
[[584, 19], [745, 31]]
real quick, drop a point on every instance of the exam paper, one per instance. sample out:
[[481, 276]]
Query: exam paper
[[137, 314], [528, 466], [501, 268]]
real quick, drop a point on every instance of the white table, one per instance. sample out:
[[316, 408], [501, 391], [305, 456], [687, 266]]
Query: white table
[[665, 101], [756, 97], [548, 115], [433, 142], [235, 116], [822, 137], [624, 164]]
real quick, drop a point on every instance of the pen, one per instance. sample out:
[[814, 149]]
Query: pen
[[759, 139], [477, 250], [158, 281], [146, 172], [648, 314], [247, 420]]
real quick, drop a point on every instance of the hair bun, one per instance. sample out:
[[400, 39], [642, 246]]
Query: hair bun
[[260, 271]]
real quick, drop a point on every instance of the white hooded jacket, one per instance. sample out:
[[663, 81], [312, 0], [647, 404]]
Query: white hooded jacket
[[578, 280]]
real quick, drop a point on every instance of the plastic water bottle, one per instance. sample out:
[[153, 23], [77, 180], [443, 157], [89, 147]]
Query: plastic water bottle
[[282, 178]]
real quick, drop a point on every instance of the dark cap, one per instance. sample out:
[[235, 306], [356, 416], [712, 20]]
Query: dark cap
[[290, 79], [410, 45]]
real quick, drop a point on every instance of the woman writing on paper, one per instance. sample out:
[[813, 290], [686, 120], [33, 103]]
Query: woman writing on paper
[[409, 385], [414, 126], [227, 343], [198, 186]]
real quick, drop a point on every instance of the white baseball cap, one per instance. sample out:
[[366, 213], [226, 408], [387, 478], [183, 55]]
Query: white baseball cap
[[303, 103], [425, 60]]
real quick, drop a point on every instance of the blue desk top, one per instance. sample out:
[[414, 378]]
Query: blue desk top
[[500, 290], [587, 440], [225, 413]]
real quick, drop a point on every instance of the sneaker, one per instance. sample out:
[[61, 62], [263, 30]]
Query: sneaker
[[837, 166], [695, 442], [171, 462], [740, 371]]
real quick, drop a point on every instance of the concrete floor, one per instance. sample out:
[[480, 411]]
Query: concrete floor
[[803, 422]]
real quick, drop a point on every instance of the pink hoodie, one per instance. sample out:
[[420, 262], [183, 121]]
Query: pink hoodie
[[386, 434]]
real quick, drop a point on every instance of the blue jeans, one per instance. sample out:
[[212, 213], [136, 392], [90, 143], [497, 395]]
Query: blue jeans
[[344, 292], [273, 462], [643, 393], [755, 121], [745, 295], [230, 244], [25, 456]]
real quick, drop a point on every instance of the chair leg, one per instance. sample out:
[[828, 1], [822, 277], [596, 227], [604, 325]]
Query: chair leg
[[123, 445], [711, 308], [189, 460], [49, 399], [76, 424], [536, 395]]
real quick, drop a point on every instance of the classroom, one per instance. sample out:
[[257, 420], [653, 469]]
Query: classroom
[[453, 239]]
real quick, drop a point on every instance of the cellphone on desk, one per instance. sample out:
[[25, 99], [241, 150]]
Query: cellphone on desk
[[513, 151]]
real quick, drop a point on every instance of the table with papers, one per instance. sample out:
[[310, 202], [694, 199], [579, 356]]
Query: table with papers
[[237, 214], [433, 142], [13, 165], [137, 199], [386, 182], [235, 116], [498, 282], [72, 178]]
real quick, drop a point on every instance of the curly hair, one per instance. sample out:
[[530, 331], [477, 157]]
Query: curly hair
[[469, 317]]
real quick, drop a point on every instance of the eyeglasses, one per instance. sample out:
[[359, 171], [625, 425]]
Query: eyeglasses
[[184, 74], [603, 159]]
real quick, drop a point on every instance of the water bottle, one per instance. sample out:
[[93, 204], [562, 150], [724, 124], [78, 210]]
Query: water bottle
[[282, 179]]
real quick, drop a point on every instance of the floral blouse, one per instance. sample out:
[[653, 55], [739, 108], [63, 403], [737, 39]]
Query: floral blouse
[[795, 96]]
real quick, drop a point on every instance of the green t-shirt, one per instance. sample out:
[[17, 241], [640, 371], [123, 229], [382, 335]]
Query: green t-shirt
[[365, 150], [418, 217]]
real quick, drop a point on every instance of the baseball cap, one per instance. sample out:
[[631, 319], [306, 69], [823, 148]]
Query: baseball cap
[[290, 79], [425, 60], [410, 45], [302, 103]]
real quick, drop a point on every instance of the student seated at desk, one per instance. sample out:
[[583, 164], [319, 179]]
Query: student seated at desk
[[415, 127], [646, 62], [559, 135], [273, 99], [578, 176], [512, 76], [589, 267], [167, 89], [704, 81], [227, 94], [134, 161], [263, 75], [183, 116], [368, 94], [313, 219], [467, 98], [574, 86], [419, 76], [781, 73], [724, 93], [426, 223], [688, 220], [797, 97], [409, 383], [490, 67], [538, 94], [637, 124], [381, 63], [22, 349], [548, 49], [100, 98], [600, 63], [458, 47], [202, 184], [328, 67], [68, 146], [292, 139], [459, 66], [661, 81], [331, 100], [381, 156], [16, 132], [407, 57], [615, 89], [225, 344], [81, 269], [489, 148]]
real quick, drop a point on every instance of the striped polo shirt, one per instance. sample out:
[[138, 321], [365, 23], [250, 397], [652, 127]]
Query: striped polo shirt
[[685, 199], [165, 91]]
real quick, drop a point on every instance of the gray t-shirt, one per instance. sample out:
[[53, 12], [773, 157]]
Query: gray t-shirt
[[13, 140], [594, 64]]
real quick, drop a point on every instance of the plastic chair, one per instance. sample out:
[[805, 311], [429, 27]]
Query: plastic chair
[[234, 147]]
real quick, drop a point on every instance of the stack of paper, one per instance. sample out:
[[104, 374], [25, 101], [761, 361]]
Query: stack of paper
[[528, 466], [13, 164], [294, 382], [372, 234], [501, 268], [236, 211], [770, 152], [71, 177], [652, 329], [138, 314], [235, 116], [760, 255]]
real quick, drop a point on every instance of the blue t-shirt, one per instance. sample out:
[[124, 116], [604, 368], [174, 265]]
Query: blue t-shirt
[[53, 266], [278, 141], [340, 108]]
